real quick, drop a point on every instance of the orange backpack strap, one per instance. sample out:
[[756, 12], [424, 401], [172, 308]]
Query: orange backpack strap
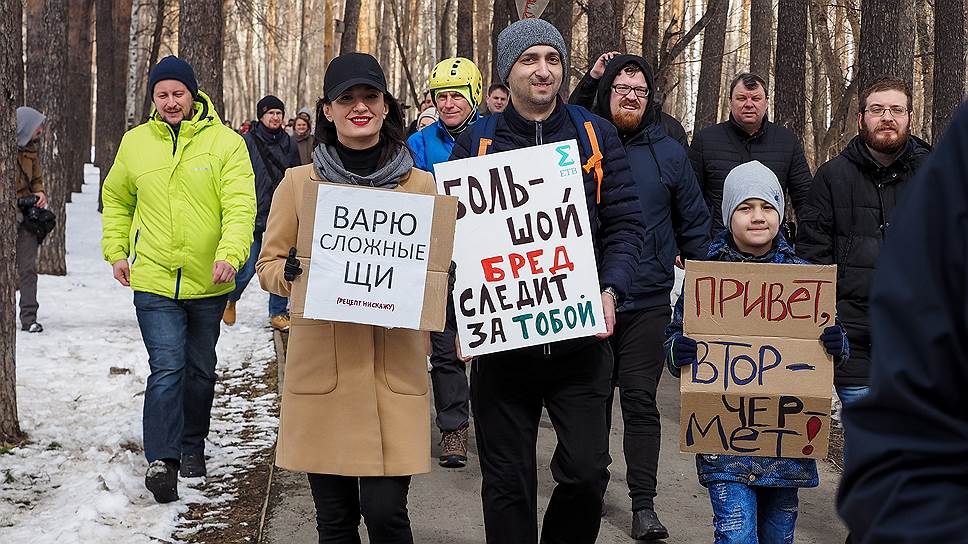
[[483, 145], [595, 161]]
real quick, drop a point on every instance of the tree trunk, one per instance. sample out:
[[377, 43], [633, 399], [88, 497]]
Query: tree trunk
[[791, 58], [54, 155], [35, 51], [79, 98], [711, 70], [921, 118], [351, 26], [650, 32], [887, 40], [153, 56], [11, 89], [113, 18], [200, 44], [443, 45], [559, 13], [502, 17], [761, 38], [465, 29], [949, 62], [603, 25]]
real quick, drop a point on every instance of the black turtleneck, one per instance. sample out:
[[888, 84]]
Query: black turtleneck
[[361, 162]]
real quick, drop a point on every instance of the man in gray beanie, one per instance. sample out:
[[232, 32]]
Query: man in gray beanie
[[30, 192], [571, 378]]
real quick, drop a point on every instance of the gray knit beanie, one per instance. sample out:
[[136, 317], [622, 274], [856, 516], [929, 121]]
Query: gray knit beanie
[[522, 34], [751, 180]]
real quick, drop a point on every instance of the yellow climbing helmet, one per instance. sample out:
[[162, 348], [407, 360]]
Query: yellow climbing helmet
[[458, 73]]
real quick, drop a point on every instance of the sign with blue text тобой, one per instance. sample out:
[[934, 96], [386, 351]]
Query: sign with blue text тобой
[[762, 381], [526, 271], [378, 257]]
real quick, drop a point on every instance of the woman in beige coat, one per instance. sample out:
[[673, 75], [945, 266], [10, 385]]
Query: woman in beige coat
[[355, 402]]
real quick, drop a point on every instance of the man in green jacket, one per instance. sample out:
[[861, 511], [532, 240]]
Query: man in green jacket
[[179, 210]]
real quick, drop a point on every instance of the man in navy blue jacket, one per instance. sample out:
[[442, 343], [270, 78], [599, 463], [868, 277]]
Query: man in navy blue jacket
[[678, 219], [571, 378], [905, 478]]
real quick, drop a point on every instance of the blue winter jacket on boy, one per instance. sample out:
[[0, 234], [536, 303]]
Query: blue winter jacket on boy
[[746, 469], [433, 144]]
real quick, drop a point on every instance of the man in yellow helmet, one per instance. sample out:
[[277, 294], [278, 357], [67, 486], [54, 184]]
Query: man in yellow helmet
[[457, 89]]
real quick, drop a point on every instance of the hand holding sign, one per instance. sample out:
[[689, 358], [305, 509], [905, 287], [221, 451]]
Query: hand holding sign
[[293, 268]]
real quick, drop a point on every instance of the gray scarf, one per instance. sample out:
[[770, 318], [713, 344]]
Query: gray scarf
[[329, 167]]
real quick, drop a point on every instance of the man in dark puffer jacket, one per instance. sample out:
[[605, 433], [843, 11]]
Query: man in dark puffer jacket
[[678, 221], [571, 378], [850, 209], [746, 136]]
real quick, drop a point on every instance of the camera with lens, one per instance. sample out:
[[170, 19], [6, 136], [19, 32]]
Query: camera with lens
[[27, 202]]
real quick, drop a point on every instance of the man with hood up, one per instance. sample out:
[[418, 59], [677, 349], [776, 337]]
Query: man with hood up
[[678, 220], [29, 183]]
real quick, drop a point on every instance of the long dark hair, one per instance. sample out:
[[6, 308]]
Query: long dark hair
[[393, 135]]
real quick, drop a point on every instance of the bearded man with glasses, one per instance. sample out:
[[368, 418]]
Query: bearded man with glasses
[[849, 214], [678, 220]]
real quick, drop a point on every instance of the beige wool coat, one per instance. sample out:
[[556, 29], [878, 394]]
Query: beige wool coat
[[356, 400]]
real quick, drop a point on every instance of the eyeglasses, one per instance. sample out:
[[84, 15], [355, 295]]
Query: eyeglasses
[[623, 90], [879, 111]]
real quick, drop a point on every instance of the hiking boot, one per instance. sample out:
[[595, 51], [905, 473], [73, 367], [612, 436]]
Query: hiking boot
[[32, 327], [162, 480], [228, 316], [646, 525], [280, 322], [192, 465], [454, 448]]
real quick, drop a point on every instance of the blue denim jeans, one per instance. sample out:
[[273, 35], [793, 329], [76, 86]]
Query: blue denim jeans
[[277, 305], [849, 394], [180, 336], [745, 514]]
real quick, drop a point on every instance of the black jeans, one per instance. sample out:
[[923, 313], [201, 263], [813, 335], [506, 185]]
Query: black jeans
[[382, 500], [508, 390], [639, 360], [448, 375]]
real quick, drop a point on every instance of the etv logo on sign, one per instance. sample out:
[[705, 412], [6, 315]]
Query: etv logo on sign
[[565, 161]]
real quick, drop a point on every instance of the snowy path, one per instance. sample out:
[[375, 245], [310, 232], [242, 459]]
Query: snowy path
[[81, 477]]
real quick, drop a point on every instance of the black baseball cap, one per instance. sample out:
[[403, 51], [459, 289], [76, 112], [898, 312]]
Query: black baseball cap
[[351, 69]]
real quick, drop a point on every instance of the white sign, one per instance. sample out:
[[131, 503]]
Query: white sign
[[526, 271], [530, 9], [370, 256]]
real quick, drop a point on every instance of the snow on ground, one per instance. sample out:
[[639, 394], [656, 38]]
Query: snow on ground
[[81, 477]]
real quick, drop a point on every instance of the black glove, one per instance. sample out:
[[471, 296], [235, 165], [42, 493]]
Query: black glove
[[293, 267], [833, 341], [683, 351]]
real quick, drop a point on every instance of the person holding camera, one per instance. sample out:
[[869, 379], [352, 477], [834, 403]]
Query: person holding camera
[[30, 194]]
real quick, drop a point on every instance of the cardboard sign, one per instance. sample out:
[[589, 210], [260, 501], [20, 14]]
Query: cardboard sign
[[762, 381], [376, 257], [526, 271]]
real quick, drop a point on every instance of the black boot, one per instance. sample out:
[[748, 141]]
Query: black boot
[[162, 480], [193, 465], [646, 525]]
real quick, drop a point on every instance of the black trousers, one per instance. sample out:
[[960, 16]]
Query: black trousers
[[639, 360], [508, 391], [448, 376], [341, 499]]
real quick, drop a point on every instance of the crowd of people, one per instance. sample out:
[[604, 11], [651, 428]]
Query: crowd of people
[[194, 209]]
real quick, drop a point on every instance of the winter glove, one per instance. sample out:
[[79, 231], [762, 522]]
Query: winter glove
[[683, 351], [293, 267], [833, 341]]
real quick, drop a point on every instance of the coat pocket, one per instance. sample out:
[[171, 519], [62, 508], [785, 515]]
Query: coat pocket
[[311, 367], [405, 361]]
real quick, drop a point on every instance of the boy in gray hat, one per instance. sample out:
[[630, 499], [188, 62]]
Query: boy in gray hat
[[571, 378]]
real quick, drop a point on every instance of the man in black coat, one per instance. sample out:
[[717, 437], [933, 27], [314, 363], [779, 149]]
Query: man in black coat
[[570, 378], [850, 210], [747, 136], [905, 480], [678, 222]]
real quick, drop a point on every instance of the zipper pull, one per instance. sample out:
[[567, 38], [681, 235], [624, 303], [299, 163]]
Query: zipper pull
[[547, 350]]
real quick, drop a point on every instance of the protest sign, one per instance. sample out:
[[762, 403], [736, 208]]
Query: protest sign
[[376, 257], [526, 272], [762, 381]]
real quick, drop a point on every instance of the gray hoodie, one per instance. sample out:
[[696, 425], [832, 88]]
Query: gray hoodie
[[28, 119]]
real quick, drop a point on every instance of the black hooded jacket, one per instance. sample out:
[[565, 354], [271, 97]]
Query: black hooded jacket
[[850, 208], [905, 480], [717, 149], [672, 204]]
